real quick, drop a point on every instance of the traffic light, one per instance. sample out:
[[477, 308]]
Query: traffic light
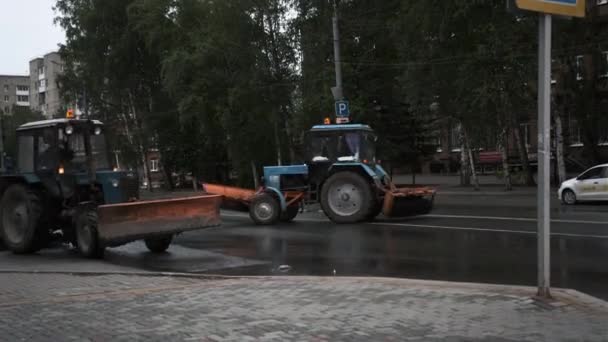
[[69, 114]]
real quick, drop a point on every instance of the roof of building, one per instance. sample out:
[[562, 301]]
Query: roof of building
[[54, 122]]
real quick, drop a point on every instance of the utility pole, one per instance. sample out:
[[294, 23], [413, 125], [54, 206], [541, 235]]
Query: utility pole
[[543, 156], [2, 166], [338, 90]]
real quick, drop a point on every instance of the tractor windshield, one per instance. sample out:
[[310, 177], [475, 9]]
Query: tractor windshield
[[343, 146], [76, 150]]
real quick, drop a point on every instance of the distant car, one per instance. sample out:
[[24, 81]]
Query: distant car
[[591, 185]]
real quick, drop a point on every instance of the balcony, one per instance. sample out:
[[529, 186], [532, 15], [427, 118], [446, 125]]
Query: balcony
[[41, 89], [23, 103], [41, 76], [23, 93]]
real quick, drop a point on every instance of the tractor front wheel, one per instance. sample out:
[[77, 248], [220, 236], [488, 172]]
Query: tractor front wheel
[[347, 197], [159, 244], [20, 219], [291, 213], [265, 209], [87, 237]]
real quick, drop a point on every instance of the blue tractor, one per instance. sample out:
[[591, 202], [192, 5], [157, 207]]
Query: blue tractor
[[341, 173], [64, 187]]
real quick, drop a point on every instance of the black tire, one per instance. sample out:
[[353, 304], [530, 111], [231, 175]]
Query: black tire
[[87, 236], [265, 210], [290, 214], [347, 197], [568, 197], [20, 215], [159, 244], [375, 211]]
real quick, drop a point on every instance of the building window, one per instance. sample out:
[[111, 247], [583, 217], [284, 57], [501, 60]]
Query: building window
[[455, 138], [7, 110], [580, 67], [6, 98], [603, 136], [23, 88], [23, 98], [6, 88], [154, 165], [575, 133], [604, 64], [526, 134]]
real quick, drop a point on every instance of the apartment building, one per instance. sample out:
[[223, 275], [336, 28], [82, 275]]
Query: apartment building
[[44, 92], [14, 92]]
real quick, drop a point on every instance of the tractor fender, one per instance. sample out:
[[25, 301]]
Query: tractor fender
[[361, 168], [279, 194], [8, 180]]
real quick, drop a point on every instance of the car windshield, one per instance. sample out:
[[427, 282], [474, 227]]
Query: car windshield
[[76, 150]]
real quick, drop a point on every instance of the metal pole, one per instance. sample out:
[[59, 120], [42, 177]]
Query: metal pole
[[2, 143], [339, 92], [543, 156]]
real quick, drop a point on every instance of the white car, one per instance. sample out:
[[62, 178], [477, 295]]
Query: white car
[[591, 185]]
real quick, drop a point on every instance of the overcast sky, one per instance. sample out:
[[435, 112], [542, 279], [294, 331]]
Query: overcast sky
[[26, 31]]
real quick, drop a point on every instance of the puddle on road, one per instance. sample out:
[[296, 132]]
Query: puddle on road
[[468, 256]]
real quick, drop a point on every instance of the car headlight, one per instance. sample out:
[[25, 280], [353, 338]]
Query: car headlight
[[114, 183], [97, 130], [69, 130]]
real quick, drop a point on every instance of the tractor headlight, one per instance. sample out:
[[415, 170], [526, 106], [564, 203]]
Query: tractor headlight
[[69, 130], [97, 130], [114, 183]]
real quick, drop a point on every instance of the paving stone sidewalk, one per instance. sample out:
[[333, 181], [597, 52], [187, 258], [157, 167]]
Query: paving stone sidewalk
[[53, 307]]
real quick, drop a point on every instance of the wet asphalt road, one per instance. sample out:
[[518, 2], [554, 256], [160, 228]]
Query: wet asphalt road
[[471, 238]]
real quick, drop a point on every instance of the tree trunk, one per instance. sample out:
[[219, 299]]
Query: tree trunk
[[414, 174], [464, 162], [277, 142], [559, 137], [471, 162], [505, 159], [474, 177], [523, 156]]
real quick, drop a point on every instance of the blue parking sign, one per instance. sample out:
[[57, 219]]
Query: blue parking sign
[[342, 110]]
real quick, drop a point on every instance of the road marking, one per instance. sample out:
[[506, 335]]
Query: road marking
[[529, 232], [501, 218], [483, 229]]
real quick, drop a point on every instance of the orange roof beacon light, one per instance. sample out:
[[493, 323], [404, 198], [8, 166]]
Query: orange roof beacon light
[[327, 121], [69, 114]]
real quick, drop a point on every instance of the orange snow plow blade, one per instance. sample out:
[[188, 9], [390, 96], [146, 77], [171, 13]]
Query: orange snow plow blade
[[125, 222], [233, 198], [403, 202], [230, 192]]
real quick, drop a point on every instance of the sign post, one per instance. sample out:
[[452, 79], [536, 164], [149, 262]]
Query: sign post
[[342, 112], [543, 156], [575, 8]]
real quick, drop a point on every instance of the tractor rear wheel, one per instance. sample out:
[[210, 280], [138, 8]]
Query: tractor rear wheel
[[265, 209], [347, 197], [159, 244], [87, 236], [20, 219], [375, 211]]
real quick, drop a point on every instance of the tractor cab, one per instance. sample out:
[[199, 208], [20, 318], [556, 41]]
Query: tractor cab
[[68, 155], [341, 144]]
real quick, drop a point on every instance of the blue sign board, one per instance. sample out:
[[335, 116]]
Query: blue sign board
[[342, 110], [573, 8]]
